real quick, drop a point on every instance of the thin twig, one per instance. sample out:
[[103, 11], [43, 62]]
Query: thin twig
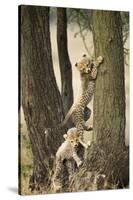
[[82, 35]]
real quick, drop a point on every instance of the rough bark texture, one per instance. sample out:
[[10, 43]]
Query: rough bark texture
[[107, 162], [41, 109], [64, 61], [109, 98], [109, 155]]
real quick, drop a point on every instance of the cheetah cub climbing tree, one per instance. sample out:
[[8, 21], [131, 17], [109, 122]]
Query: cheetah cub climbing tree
[[88, 72]]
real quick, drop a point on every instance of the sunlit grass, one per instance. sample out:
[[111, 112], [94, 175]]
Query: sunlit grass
[[26, 158]]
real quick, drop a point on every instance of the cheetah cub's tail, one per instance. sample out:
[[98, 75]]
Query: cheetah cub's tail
[[67, 116]]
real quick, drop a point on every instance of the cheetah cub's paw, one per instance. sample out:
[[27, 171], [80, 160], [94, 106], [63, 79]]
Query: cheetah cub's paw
[[57, 188], [89, 143], [80, 163], [100, 59]]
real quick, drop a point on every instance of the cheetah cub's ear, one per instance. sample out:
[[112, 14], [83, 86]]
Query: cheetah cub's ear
[[65, 136]]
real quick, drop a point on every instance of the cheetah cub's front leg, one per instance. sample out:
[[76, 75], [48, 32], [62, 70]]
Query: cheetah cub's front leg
[[84, 144], [97, 63], [78, 161]]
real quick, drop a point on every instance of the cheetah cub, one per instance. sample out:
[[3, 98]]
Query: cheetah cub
[[88, 70], [67, 152]]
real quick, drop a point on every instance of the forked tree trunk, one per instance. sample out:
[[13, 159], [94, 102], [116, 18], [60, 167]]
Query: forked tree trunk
[[41, 100], [64, 61]]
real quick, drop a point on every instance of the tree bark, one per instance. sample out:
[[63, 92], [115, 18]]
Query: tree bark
[[109, 98], [41, 100], [107, 160], [64, 61], [111, 155]]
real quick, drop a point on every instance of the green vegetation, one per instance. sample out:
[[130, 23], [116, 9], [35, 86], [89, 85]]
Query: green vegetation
[[26, 158]]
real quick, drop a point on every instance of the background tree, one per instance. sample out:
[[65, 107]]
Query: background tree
[[64, 61], [41, 109], [83, 19]]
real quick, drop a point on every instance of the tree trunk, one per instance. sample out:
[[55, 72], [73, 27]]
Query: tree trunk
[[41, 100], [64, 61], [109, 98], [107, 160]]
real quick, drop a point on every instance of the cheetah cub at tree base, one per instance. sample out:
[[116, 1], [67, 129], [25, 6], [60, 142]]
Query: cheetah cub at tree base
[[88, 73], [65, 152]]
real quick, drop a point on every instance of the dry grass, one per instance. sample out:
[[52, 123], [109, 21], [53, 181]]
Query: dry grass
[[79, 179]]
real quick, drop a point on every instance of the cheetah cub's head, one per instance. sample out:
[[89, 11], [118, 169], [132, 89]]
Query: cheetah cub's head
[[85, 65], [72, 137], [89, 66]]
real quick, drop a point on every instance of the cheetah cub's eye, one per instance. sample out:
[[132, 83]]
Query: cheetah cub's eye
[[71, 141], [76, 64], [84, 55]]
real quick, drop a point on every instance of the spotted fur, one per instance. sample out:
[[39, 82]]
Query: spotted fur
[[67, 151], [88, 73]]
